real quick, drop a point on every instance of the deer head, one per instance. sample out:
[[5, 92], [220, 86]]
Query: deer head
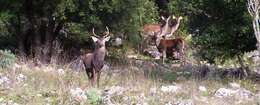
[[100, 41]]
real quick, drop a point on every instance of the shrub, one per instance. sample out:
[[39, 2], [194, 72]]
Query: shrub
[[7, 58], [93, 97]]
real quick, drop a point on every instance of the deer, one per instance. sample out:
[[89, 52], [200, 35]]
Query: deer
[[94, 61], [148, 30], [169, 47]]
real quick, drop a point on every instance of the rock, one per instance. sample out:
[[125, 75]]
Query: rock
[[234, 85], [153, 52], [169, 103], [5, 81], [114, 90], [223, 92], [243, 94], [237, 93], [108, 93], [184, 102], [106, 100], [21, 78], [127, 100], [202, 88], [170, 88], [132, 56], [141, 99], [153, 91], [61, 71], [105, 68], [118, 42], [78, 94]]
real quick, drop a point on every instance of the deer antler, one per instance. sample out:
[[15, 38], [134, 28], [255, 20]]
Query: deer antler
[[107, 32], [165, 28], [93, 31]]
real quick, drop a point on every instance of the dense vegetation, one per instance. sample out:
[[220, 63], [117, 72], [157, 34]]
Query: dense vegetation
[[45, 29]]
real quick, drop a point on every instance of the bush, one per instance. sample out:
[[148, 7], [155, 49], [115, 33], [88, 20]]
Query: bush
[[93, 97], [7, 58]]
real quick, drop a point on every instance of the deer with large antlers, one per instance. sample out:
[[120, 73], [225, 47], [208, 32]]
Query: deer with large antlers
[[149, 29], [94, 61], [169, 47]]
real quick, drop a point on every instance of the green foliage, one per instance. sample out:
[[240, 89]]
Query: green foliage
[[7, 58], [222, 28], [93, 97]]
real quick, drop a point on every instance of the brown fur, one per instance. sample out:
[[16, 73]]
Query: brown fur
[[94, 61], [171, 46]]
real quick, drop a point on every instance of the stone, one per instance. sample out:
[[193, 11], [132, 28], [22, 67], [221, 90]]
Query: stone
[[170, 88], [234, 85], [202, 88], [223, 92]]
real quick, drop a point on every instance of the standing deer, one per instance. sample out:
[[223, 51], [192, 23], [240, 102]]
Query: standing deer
[[148, 30], [168, 47], [94, 61]]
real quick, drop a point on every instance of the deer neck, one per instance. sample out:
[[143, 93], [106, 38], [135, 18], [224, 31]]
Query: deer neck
[[157, 41], [99, 53]]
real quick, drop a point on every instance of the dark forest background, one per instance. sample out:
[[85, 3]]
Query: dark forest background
[[46, 30]]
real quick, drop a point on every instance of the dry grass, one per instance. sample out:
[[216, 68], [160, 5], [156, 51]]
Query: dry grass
[[45, 85]]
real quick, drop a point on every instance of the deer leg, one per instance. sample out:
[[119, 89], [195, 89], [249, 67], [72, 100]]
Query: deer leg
[[98, 77], [164, 55], [182, 58], [93, 77]]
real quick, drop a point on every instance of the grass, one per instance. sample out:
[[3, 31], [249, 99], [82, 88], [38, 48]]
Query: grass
[[45, 85]]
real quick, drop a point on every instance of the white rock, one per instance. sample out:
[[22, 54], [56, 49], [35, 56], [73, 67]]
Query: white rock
[[243, 94], [171, 88], [202, 88], [234, 85], [169, 103], [153, 90], [39, 95], [132, 56], [118, 90], [223, 92], [5, 81], [1, 99], [78, 94], [21, 78], [184, 102], [118, 41], [105, 68], [61, 71]]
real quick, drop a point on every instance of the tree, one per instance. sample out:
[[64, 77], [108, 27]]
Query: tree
[[253, 7], [34, 27]]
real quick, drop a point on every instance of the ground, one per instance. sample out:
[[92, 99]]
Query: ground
[[23, 84]]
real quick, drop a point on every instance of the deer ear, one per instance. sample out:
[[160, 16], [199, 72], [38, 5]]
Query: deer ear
[[94, 38], [107, 38]]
